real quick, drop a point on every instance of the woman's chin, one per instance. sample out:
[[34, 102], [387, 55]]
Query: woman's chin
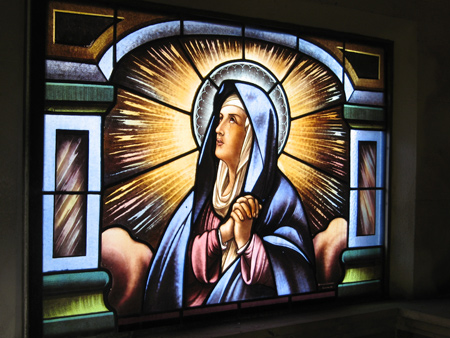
[[219, 154]]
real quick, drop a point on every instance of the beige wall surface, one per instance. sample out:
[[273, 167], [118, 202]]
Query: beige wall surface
[[420, 138]]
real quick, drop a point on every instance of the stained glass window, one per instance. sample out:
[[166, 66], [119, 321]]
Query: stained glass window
[[133, 124]]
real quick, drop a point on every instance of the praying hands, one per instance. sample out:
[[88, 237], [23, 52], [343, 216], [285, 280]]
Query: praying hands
[[239, 224]]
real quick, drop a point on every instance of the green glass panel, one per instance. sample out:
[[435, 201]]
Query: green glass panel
[[81, 325], [75, 281], [79, 92], [364, 113], [354, 256]]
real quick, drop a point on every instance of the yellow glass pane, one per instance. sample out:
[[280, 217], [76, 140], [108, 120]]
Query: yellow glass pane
[[276, 58], [208, 53], [80, 304], [140, 133], [162, 72], [323, 196], [146, 203], [310, 87], [322, 140]]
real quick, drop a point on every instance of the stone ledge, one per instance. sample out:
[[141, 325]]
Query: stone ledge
[[384, 319]]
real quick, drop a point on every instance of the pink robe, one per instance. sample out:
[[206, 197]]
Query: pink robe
[[206, 260]]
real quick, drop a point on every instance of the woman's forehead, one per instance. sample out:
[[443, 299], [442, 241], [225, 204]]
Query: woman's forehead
[[233, 110]]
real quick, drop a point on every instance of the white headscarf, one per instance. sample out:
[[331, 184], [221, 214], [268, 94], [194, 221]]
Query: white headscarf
[[221, 202]]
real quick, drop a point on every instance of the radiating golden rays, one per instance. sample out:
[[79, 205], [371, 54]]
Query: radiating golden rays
[[146, 129], [208, 53], [162, 72], [323, 196], [275, 58], [310, 87], [140, 134], [146, 203], [321, 139]]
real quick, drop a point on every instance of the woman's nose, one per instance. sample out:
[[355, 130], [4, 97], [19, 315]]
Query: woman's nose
[[219, 129]]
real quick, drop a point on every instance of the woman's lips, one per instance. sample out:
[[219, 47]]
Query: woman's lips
[[219, 142]]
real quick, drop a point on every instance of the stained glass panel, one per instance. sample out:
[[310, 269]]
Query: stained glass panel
[[160, 72], [311, 87], [366, 213], [71, 160], [367, 164], [207, 165], [70, 226], [208, 53]]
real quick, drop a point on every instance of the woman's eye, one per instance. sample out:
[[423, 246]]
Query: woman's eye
[[232, 120]]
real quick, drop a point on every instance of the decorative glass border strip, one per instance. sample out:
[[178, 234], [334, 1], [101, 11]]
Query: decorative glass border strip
[[92, 124], [367, 135], [355, 241], [90, 260]]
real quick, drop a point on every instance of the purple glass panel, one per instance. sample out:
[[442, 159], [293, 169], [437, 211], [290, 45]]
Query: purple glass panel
[[367, 164], [69, 234], [71, 160]]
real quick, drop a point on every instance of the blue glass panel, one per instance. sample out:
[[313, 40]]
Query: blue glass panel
[[198, 27], [146, 34], [92, 124], [367, 135], [372, 240], [275, 37], [90, 260], [366, 97], [106, 63], [320, 55], [74, 71], [136, 39], [348, 87]]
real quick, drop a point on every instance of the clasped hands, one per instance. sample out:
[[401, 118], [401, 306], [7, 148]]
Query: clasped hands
[[239, 224]]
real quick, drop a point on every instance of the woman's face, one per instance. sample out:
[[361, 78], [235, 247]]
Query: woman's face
[[230, 135]]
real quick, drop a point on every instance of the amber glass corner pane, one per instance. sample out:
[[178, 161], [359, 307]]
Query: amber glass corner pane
[[79, 29]]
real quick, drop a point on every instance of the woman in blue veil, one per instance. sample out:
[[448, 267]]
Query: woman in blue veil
[[241, 233]]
